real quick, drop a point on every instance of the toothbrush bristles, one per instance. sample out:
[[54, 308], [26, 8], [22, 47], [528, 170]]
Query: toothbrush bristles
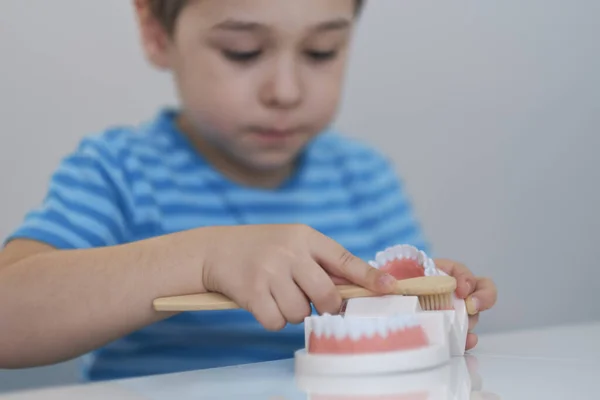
[[436, 302]]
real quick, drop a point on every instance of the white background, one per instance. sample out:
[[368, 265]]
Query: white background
[[491, 110]]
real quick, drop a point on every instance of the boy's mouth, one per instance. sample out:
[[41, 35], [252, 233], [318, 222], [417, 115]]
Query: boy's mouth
[[274, 136], [275, 132]]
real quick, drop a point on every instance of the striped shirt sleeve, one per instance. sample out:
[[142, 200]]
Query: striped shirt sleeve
[[84, 203]]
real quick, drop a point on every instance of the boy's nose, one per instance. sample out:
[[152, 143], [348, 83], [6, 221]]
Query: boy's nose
[[283, 86]]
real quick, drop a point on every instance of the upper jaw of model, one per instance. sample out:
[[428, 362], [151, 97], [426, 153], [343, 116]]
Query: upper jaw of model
[[406, 252]]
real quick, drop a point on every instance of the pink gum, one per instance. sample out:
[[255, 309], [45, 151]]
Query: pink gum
[[403, 269]]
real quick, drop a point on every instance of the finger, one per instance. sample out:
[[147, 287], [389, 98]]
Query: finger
[[485, 294], [472, 363], [472, 340], [340, 281], [465, 280], [473, 321], [291, 301], [316, 284], [267, 313], [339, 262]]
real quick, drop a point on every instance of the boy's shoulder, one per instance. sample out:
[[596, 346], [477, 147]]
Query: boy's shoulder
[[119, 139], [123, 145]]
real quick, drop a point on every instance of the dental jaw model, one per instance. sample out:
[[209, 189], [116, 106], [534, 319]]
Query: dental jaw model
[[386, 334], [405, 262]]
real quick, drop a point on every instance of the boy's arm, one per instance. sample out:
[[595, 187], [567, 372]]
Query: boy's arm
[[59, 304], [68, 284]]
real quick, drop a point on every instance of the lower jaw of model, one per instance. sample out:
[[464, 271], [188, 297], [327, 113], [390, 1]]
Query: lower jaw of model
[[334, 334]]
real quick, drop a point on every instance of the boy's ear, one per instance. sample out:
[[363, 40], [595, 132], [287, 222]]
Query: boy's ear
[[155, 40]]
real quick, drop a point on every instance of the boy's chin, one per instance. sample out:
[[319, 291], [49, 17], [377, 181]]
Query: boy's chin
[[271, 163]]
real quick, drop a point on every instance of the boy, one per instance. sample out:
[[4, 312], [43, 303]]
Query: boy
[[242, 191]]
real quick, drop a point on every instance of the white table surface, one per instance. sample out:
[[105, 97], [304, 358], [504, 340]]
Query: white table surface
[[550, 363]]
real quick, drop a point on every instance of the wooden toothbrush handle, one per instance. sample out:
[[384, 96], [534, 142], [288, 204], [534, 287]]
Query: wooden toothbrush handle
[[217, 301], [195, 302]]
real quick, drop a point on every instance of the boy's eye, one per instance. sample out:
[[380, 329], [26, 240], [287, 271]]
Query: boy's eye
[[241, 56], [247, 56], [321, 55]]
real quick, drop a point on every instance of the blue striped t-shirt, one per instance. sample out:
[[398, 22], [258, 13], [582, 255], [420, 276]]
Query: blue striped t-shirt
[[131, 183]]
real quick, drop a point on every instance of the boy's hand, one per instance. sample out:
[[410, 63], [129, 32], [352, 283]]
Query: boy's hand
[[275, 271], [482, 290]]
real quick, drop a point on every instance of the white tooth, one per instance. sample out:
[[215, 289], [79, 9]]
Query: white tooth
[[397, 251], [381, 327], [421, 258], [374, 264], [349, 333], [407, 321], [390, 255], [393, 323], [354, 328], [390, 324], [317, 325], [429, 265], [412, 252], [367, 327], [320, 325], [398, 322], [339, 328], [380, 258], [327, 326]]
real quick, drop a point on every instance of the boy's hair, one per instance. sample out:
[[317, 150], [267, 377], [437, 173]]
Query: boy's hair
[[167, 11]]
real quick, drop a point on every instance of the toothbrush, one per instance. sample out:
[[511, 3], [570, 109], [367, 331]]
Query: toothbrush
[[434, 293]]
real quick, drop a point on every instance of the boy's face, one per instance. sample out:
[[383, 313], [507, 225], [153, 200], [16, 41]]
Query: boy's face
[[257, 78]]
